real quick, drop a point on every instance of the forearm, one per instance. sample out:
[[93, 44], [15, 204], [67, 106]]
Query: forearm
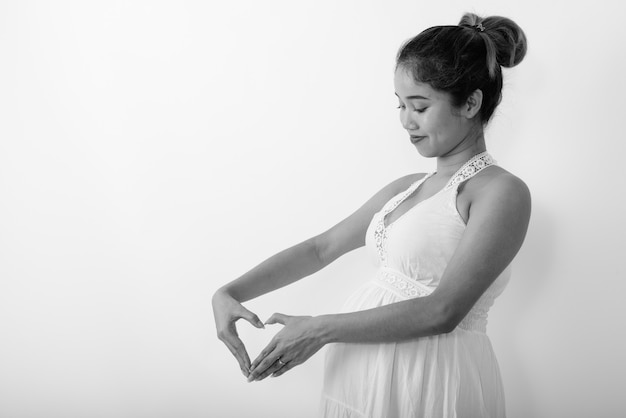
[[400, 321], [281, 269]]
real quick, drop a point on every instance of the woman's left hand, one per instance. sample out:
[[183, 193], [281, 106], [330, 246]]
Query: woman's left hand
[[300, 338]]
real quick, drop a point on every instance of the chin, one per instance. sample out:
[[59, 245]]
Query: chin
[[426, 153]]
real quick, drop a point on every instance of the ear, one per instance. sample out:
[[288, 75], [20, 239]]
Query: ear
[[473, 104]]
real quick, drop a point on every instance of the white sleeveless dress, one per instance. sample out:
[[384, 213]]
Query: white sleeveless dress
[[453, 375]]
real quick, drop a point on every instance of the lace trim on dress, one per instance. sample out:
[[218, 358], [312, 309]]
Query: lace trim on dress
[[402, 284], [471, 167], [380, 232], [380, 236], [475, 320]]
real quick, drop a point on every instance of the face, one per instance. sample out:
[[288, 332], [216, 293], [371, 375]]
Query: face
[[434, 126]]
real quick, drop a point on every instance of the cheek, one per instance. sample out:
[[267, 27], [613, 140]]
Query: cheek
[[433, 122], [440, 122]]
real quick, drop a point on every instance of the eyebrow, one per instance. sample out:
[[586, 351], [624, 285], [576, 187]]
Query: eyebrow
[[416, 97]]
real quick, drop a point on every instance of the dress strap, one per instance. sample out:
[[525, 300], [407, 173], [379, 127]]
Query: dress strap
[[472, 167]]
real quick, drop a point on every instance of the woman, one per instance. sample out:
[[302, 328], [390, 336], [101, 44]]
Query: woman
[[411, 342]]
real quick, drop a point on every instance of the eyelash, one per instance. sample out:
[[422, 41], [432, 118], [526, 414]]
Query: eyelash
[[422, 110]]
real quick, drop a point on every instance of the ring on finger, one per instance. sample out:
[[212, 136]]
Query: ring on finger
[[281, 362]]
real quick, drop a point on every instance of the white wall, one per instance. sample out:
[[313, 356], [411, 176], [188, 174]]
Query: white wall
[[150, 151]]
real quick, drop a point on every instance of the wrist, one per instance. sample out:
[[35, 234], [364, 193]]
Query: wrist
[[228, 292], [324, 326]]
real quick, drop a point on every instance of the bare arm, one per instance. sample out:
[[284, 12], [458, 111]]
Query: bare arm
[[312, 255], [495, 231], [289, 266], [281, 269]]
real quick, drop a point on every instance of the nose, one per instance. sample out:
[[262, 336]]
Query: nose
[[407, 121]]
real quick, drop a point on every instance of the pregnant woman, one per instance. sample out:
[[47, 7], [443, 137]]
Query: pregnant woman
[[411, 342]]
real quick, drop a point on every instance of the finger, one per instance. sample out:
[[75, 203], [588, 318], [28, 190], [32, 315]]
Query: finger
[[261, 367], [265, 370], [275, 367], [238, 350], [240, 354], [263, 354], [251, 317], [290, 365], [278, 318]]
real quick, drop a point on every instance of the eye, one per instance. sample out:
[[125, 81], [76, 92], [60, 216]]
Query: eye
[[401, 106], [422, 110]]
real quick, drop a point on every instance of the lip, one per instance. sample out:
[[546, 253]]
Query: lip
[[416, 138]]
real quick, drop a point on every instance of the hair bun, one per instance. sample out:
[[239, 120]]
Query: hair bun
[[508, 40]]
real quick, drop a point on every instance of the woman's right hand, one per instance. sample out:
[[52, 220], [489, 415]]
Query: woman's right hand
[[226, 311]]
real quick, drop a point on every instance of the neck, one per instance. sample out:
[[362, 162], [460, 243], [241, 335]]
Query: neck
[[473, 144]]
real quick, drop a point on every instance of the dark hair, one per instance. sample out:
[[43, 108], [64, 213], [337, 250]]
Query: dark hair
[[460, 59]]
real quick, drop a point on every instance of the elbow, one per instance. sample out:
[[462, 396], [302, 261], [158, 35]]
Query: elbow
[[447, 319], [320, 250], [447, 325]]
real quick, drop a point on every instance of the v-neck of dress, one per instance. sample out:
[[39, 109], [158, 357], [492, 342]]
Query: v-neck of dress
[[470, 168], [411, 190]]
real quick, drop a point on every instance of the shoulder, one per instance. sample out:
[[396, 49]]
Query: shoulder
[[392, 189], [349, 233], [496, 188], [496, 179], [503, 183], [410, 178], [401, 184]]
